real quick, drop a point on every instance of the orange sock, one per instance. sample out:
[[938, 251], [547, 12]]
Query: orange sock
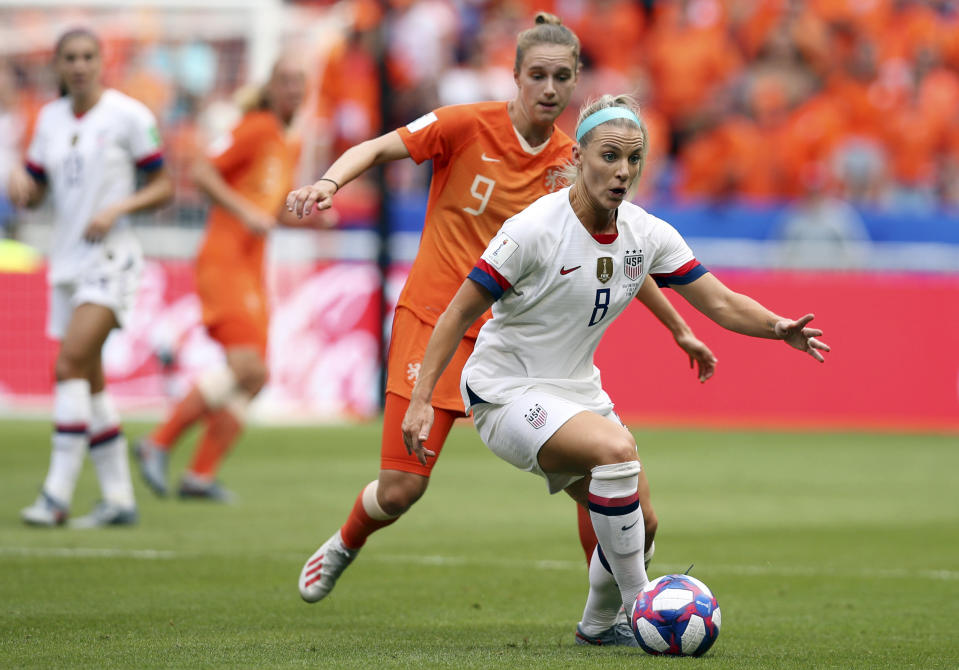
[[222, 430], [186, 412], [360, 525], [587, 536]]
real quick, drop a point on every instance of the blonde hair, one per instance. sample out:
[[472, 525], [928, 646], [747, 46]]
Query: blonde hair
[[549, 29], [254, 97], [571, 173]]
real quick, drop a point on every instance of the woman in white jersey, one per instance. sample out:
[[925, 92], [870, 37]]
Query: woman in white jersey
[[556, 275], [85, 152]]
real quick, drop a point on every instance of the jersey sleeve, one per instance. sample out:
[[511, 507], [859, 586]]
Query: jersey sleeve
[[674, 262], [236, 148], [509, 257], [145, 143], [433, 136]]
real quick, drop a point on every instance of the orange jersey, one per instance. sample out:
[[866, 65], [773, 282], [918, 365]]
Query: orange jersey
[[482, 175], [258, 162]]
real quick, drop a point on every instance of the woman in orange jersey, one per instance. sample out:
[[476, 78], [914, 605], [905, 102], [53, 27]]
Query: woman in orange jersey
[[490, 160], [246, 176]]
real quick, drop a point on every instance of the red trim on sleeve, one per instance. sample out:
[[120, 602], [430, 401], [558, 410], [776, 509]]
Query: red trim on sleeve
[[493, 273], [683, 269], [152, 158]]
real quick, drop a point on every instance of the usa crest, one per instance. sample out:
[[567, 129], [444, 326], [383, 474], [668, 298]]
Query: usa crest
[[633, 265], [604, 269], [536, 416]]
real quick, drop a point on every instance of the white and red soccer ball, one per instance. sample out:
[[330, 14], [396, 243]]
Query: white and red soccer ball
[[676, 615]]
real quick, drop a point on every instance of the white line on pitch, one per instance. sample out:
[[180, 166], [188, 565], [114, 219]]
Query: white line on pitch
[[454, 561]]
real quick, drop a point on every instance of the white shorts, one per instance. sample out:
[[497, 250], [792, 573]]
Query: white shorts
[[112, 283], [516, 431]]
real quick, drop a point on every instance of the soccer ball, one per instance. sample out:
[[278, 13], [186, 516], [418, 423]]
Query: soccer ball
[[676, 615]]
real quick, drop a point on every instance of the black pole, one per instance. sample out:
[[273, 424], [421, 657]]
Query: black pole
[[383, 259]]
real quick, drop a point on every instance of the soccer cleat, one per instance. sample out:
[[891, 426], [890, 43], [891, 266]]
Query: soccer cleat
[[324, 567], [107, 514], [648, 554], [153, 462], [45, 511], [617, 635], [198, 488]]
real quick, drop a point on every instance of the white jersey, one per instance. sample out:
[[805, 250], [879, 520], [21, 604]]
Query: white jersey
[[558, 289], [89, 162]]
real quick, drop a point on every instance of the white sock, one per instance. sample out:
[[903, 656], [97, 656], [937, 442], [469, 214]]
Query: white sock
[[108, 450], [603, 601], [618, 521], [71, 419]]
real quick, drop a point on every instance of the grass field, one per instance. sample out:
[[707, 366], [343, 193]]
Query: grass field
[[824, 550]]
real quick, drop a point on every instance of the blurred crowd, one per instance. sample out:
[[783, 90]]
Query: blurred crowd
[[757, 100]]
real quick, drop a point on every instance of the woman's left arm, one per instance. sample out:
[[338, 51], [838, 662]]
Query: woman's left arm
[[657, 303], [741, 314], [157, 190]]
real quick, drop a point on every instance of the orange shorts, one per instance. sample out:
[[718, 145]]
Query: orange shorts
[[393, 454], [234, 307], [407, 346]]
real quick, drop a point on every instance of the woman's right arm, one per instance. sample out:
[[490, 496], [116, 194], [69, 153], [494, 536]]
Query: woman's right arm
[[354, 162], [469, 304]]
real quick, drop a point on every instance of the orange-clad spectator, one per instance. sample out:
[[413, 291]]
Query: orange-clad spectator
[[813, 39], [349, 89], [690, 58], [612, 34], [811, 135], [949, 41], [149, 87], [752, 22], [851, 86], [911, 144], [912, 29], [246, 177], [938, 101], [870, 17], [736, 158]]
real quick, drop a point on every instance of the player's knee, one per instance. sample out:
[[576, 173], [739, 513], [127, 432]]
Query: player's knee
[[70, 364], [252, 376], [619, 449], [399, 494]]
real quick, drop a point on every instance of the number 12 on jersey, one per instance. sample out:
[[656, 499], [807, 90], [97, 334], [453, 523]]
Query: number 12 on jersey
[[481, 189]]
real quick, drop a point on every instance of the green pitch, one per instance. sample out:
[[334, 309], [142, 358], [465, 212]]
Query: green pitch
[[824, 550]]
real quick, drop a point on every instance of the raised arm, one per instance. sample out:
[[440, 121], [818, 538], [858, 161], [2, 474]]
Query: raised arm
[[469, 304], [741, 314], [657, 303], [354, 162]]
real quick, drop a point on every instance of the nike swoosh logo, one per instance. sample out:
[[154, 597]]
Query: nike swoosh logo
[[564, 271], [631, 525], [488, 159]]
